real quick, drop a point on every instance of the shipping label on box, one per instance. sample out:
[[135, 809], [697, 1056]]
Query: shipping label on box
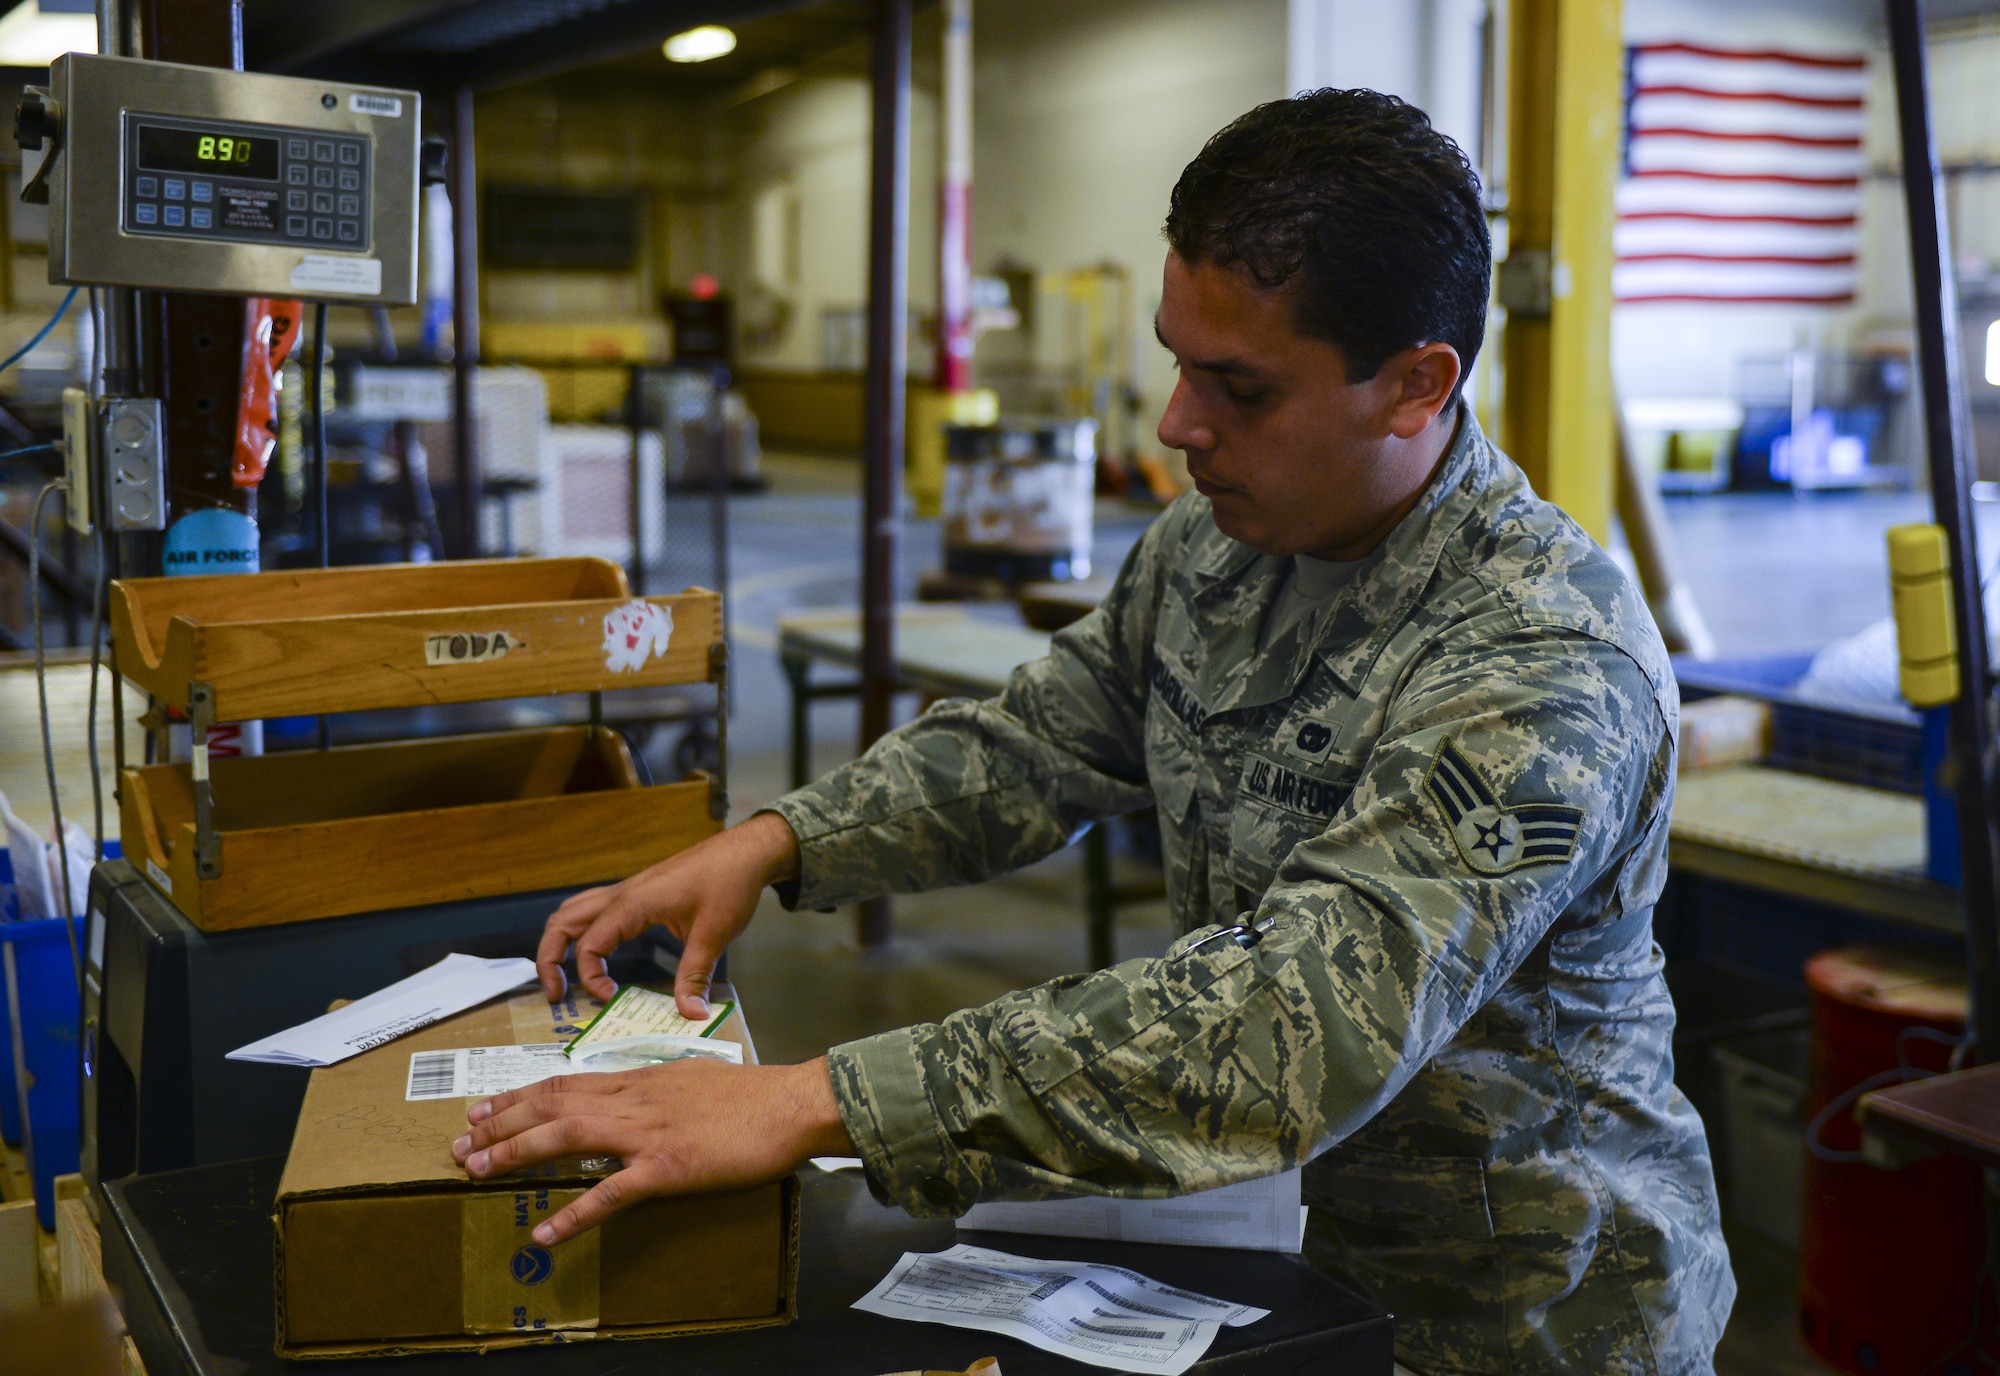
[[385, 1245]]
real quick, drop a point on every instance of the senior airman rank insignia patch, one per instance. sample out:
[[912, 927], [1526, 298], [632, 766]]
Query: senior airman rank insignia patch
[[1495, 839]]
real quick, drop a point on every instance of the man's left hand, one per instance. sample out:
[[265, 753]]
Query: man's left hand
[[687, 1127]]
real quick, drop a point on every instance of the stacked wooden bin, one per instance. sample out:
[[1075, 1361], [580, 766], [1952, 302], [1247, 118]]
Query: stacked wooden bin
[[291, 836]]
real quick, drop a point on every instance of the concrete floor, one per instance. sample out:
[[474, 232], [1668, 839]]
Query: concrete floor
[[1771, 574]]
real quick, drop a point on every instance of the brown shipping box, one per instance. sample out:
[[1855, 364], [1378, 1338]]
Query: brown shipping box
[[385, 1245]]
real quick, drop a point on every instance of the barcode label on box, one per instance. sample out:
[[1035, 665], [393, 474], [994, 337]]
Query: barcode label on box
[[479, 1071], [433, 1075]]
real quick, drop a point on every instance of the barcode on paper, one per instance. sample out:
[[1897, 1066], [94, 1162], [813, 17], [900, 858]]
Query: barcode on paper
[[1116, 1331], [436, 1075]]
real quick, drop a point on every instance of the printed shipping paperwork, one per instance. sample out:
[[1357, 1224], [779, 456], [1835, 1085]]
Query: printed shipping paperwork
[[643, 1027], [450, 986], [476, 1072], [1104, 1315], [1264, 1215], [385, 1245]]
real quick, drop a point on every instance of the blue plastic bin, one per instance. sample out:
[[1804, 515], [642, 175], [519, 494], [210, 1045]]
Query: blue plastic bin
[[1878, 747], [1887, 747], [51, 1011], [10, 1099], [51, 1014]]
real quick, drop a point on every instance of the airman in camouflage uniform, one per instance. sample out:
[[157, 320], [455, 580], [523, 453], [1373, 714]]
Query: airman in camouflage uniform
[[1442, 796], [1413, 791]]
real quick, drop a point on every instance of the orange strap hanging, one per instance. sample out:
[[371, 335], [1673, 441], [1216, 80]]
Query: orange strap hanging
[[271, 329]]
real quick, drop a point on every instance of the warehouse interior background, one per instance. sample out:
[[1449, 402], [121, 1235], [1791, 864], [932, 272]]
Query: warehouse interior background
[[633, 211]]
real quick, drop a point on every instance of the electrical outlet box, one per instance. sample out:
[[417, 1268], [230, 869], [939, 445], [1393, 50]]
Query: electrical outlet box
[[135, 463], [76, 456]]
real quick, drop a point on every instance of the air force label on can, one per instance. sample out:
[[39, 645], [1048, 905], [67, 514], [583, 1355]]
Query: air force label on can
[[216, 540], [1494, 839]]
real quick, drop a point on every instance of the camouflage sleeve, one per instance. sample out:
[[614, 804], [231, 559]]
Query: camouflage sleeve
[[971, 789], [1391, 928]]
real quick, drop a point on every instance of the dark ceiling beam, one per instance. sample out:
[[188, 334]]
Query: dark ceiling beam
[[285, 36], [408, 43]]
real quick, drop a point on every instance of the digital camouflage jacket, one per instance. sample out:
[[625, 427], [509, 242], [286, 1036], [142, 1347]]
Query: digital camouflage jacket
[[1446, 791]]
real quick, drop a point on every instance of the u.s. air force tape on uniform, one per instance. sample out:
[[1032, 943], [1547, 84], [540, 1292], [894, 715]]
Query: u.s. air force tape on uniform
[[1494, 838], [513, 1284]]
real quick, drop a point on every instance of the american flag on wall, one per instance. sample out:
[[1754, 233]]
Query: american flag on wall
[[1743, 176]]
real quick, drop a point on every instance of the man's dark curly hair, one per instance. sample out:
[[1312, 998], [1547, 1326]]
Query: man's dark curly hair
[[1352, 195]]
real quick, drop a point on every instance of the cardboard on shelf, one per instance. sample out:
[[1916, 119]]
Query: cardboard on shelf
[[386, 1246]]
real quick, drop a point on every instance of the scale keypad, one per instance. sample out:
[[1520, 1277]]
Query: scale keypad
[[318, 200]]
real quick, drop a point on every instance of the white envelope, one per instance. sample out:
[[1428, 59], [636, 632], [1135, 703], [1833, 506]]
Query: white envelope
[[453, 985]]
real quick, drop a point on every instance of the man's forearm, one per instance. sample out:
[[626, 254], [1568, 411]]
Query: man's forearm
[[820, 1129], [770, 846], [967, 792]]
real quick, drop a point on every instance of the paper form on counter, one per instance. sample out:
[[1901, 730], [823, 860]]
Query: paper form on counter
[[1104, 1315], [453, 985], [1261, 1215]]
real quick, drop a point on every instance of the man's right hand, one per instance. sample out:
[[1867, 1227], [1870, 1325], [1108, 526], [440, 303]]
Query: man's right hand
[[705, 896]]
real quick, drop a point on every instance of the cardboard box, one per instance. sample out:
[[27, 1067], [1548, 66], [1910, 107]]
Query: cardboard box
[[385, 1245]]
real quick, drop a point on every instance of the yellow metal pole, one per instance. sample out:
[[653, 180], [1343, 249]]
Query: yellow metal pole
[[1565, 92]]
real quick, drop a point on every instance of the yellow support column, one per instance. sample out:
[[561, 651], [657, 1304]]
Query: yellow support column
[[1565, 85], [930, 412]]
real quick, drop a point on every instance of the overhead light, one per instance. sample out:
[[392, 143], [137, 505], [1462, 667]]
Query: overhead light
[[700, 45], [31, 36]]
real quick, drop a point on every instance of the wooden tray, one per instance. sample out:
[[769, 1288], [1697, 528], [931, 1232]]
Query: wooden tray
[[308, 834], [396, 635]]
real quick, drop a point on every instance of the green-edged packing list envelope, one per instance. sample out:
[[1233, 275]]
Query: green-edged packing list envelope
[[643, 1027]]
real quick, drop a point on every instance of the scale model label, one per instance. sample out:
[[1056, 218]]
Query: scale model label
[[323, 272]]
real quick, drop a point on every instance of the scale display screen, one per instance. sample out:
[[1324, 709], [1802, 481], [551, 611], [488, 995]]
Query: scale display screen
[[246, 183], [163, 149]]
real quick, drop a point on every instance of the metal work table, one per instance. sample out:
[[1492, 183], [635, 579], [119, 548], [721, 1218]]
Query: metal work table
[[1833, 843], [941, 652], [188, 1254], [1958, 1113]]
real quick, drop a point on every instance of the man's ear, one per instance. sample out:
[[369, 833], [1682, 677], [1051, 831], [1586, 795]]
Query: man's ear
[[1427, 376]]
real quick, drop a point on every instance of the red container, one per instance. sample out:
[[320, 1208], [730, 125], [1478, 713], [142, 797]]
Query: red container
[[1889, 1259]]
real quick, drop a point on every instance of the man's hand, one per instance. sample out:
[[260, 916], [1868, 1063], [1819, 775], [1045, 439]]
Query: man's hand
[[687, 1127], [705, 896]]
